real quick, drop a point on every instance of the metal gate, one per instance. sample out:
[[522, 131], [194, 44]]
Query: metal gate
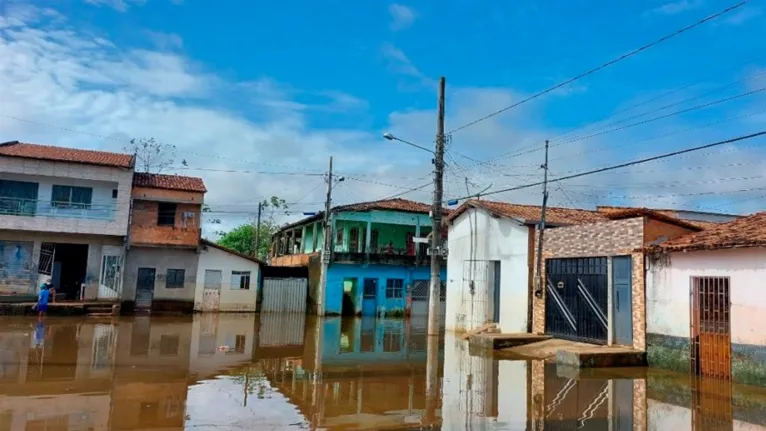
[[284, 295], [576, 299], [711, 327], [420, 295]]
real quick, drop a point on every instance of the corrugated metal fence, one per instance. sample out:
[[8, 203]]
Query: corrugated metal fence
[[284, 295], [280, 330]]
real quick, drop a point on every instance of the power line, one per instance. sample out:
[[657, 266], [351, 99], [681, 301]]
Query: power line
[[604, 65], [623, 165]]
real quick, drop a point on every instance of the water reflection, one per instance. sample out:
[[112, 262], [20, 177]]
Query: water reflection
[[282, 371]]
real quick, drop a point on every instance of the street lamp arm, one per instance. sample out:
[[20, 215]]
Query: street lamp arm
[[391, 137]]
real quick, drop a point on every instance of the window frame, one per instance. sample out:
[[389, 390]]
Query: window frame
[[392, 288], [69, 203], [162, 220], [174, 278], [245, 278]]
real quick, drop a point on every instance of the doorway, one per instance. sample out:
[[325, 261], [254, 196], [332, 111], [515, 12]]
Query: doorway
[[369, 297], [496, 291], [145, 288], [349, 297], [711, 327], [70, 266], [622, 300]]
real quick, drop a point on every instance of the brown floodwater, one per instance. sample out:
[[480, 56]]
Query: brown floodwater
[[229, 371]]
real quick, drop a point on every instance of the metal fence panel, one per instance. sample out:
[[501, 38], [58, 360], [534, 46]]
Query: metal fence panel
[[284, 295]]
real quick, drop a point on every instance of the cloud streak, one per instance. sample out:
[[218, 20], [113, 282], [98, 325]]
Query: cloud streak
[[402, 17]]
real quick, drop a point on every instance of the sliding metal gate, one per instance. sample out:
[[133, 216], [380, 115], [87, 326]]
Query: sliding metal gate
[[576, 299]]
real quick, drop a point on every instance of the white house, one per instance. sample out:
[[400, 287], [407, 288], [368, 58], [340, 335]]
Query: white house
[[226, 279], [63, 214], [705, 302], [490, 262]]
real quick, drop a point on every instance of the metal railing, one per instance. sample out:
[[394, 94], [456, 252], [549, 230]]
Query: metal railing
[[41, 208]]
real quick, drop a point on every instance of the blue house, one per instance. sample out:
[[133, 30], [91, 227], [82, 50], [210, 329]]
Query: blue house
[[376, 265]]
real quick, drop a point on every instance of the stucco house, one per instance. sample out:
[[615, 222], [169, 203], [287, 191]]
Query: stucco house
[[227, 280], [705, 302]]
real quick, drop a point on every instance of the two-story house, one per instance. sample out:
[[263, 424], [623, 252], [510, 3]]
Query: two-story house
[[164, 240], [64, 215], [376, 262]]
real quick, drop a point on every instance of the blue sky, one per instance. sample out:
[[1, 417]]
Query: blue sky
[[282, 85]]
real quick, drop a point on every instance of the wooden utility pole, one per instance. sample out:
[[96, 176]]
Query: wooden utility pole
[[540, 275], [326, 246], [436, 216], [257, 239]]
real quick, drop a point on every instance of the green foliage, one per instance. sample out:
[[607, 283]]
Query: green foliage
[[242, 238]]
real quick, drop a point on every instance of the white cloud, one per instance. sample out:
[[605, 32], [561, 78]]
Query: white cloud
[[402, 17], [120, 5], [742, 16], [165, 41], [680, 6], [400, 64]]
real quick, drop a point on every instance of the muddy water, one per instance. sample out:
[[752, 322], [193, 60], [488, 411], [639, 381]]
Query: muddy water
[[291, 372]]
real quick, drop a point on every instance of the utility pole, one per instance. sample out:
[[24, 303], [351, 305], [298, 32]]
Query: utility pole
[[436, 216], [257, 239], [326, 246], [540, 275]]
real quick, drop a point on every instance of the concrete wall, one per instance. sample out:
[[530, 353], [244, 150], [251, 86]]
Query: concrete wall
[[477, 236], [338, 272], [96, 244], [107, 216], [232, 298], [607, 239], [214, 330], [162, 259], [669, 314]]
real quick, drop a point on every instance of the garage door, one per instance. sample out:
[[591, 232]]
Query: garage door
[[576, 299]]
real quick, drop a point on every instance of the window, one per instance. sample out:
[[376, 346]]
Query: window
[[169, 345], [71, 197], [374, 239], [353, 240], [240, 280], [394, 288], [18, 197], [175, 279], [114, 194], [370, 287], [166, 214], [339, 237], [213, 279]]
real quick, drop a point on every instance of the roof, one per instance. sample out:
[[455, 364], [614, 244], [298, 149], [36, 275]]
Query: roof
[[63, 154], [231, 251], [168, 182], [744, 232], [530, 213], [398, 204], [657, 215], [673, 213]]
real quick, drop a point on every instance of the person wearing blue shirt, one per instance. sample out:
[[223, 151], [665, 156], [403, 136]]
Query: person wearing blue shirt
[[42, 302]]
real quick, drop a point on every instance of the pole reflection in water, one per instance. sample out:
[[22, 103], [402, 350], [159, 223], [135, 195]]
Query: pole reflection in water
[[286, 371]]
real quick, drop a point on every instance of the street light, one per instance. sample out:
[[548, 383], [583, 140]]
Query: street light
[[391, 137]]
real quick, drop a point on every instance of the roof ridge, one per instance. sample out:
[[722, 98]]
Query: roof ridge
[[536, 206]]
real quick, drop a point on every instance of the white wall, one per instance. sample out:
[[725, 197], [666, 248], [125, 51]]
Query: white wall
[[231, 299], [46, 173], [667, 291], [493, 239], [224, 328]]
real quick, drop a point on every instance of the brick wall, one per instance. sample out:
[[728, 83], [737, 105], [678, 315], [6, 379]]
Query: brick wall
[[292, 260], [145, 231], [612, 238], [163, 195], [655, 229]]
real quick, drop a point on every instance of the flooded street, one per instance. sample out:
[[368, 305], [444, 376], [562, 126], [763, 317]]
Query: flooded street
[[231, 371]]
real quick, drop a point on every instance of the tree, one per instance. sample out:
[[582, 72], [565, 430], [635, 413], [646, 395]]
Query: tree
[[242, 238], [151, 156]]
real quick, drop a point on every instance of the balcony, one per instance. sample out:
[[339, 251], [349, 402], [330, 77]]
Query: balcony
[[39, 208], [389, 256]]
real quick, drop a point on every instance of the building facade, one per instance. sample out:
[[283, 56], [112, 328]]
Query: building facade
[[705, 302], [164, 240], [376, 262], [490, 267], [64, 215], [226, 280]]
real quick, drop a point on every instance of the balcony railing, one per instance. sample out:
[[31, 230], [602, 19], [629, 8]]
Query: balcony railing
[[385, 256], [39, 208]]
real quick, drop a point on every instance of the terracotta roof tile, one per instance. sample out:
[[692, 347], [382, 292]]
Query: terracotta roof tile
[[532, 213], [744, 232], [168, 182], [232, 251], [672, 213], [62, 154], [655, 214], [397, 204]]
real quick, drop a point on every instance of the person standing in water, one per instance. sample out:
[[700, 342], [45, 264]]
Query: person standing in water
[[48, 285], [42, 301]]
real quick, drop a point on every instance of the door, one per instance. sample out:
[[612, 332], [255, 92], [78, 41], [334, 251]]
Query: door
[[576, 299], [211, 292], [622, 300], [145, 288], [110, 278], [496, 292], [420, 294], [711, 327], [369, 297], [622, 407]]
